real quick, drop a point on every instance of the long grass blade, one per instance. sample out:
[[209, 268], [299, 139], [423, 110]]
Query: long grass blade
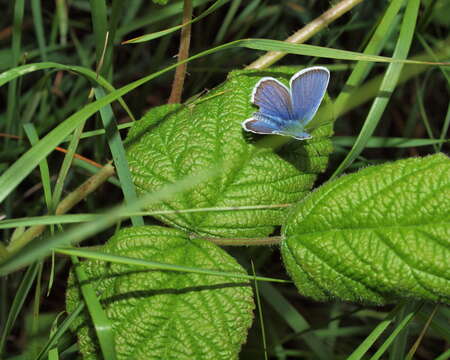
[[39, 28], [117, 259], [383, 142], [59, 333], [76, 218], [65, 167], [11, 111], [165, 32], [15, 174], [155, 16], [119, 156], [403, 323], [43, 166], [99, 24], [19, 300], [387, 86], [374, 47], [362, 349], [227, 21], [445, 127], [38, 249], [16, 72], [418, 341], [294, 319], [102, 325], [62, 19], [260, 314]]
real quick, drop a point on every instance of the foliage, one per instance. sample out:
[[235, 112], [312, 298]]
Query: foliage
[[162, 313], [208, 133], [374, 236], [155, 281]]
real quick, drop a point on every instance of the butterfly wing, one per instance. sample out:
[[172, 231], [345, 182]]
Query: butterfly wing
[[258, 124], [296, 134], [308, 87], [273, 99]]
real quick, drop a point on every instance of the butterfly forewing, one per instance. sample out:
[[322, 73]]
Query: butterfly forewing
[[273, 99], [307, 90]]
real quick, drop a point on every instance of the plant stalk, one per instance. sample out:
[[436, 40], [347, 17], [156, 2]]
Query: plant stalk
[[185, 40], [306, 32], [271, 240], [65, 205]]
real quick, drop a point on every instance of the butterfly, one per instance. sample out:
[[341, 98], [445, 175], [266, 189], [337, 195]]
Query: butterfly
[[284, 111]]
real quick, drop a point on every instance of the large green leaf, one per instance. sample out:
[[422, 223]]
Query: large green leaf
[[163, 314], [374, 236], [171, 142]]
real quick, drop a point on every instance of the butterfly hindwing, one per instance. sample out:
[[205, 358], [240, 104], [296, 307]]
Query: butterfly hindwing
[[308, 87], [260, 125]]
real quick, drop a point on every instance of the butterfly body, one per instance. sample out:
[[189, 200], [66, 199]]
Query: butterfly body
[[284, 111]]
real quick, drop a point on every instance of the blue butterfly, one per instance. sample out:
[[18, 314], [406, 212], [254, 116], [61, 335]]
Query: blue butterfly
[[287, 112]]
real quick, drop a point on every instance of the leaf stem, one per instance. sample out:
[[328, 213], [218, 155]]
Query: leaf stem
[[185, 39], [306, 32], [271, 240]]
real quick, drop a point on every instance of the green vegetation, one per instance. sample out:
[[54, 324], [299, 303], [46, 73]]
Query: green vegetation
[[139, 220]]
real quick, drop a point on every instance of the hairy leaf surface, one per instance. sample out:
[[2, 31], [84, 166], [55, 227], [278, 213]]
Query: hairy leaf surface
[[374, 236], [170, 143], [164, 314]]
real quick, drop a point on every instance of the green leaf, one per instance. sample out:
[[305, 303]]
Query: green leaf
[[374, 236], [164, 314], [173, 142]]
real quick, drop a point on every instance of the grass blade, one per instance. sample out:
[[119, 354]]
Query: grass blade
[[99, 24], [153, 265], [67, 162], [43, 166], [383, 142], [161, 33], [416, 344], [374, 47], [75, 218], [387, 86], [118, 153], [21, 168], [16, 72], [295, 320], [330, 53], [19, 300], [38, 249], [62, 19], [227, 21], [101, 323], [11, 111], [154, 17], [445, 127], [403, 323], [260, 314], [374, 335], [57, 335], [39, 28]]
